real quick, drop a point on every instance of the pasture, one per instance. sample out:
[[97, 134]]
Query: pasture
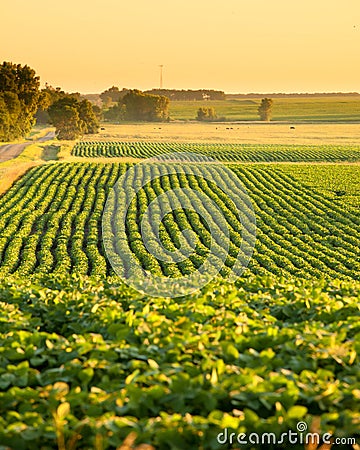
[[301, 110], [252, 133]]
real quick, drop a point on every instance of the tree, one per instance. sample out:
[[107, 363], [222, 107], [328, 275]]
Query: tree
[[19, 93], [88, 120], [65, 117], [73, 118], [12, 113], [206, 114], [147, 107], [116, 113], [112, 95], [265, 109], [48, 96], [201, 114], [98, 112], [5, 120]]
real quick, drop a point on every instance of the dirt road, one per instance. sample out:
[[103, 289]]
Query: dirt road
[[11, 151]]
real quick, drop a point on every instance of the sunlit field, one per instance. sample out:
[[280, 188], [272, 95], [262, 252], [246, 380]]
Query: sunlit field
[[311, 109], [263, 133]]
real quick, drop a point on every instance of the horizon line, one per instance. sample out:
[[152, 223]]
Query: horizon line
[[338, 93]]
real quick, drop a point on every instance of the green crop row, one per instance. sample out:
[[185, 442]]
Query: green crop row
[[222, 152], [52, 222]]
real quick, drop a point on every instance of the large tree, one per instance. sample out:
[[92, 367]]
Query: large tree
[[73, 118], [48, 96], [137, 105], [88, 119], [19, 97], [5, 120], [147, 107]]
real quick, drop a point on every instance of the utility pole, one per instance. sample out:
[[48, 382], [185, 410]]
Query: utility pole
[[161, 75]]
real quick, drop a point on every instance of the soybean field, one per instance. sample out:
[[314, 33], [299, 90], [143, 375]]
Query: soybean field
[[51, 222], [87, 361], [92, 361], [222, 152]]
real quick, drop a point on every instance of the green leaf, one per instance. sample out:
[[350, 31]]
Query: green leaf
[[297, 412], [153, 364], [86, 375], [63, 410]]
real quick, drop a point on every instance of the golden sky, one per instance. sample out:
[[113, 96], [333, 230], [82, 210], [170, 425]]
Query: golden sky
[[232, 45]]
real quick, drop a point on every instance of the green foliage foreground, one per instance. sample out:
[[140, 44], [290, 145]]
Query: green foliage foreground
[[93, 361]]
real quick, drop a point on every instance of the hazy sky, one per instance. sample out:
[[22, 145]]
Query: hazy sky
[[232, 45]]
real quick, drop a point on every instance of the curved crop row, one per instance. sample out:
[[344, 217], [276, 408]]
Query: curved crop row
[[51, 222], [221, 151]]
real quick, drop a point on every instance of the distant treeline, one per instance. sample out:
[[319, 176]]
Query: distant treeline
[[189, 94], [114, 94], [306, 94]]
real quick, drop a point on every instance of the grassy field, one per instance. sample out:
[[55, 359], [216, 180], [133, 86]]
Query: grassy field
[[252, 133], [33, 155], [318, 109]]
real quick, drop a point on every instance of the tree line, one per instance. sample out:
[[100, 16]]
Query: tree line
[[114, 94], [22, 103], [293, 95], [189, 94]]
